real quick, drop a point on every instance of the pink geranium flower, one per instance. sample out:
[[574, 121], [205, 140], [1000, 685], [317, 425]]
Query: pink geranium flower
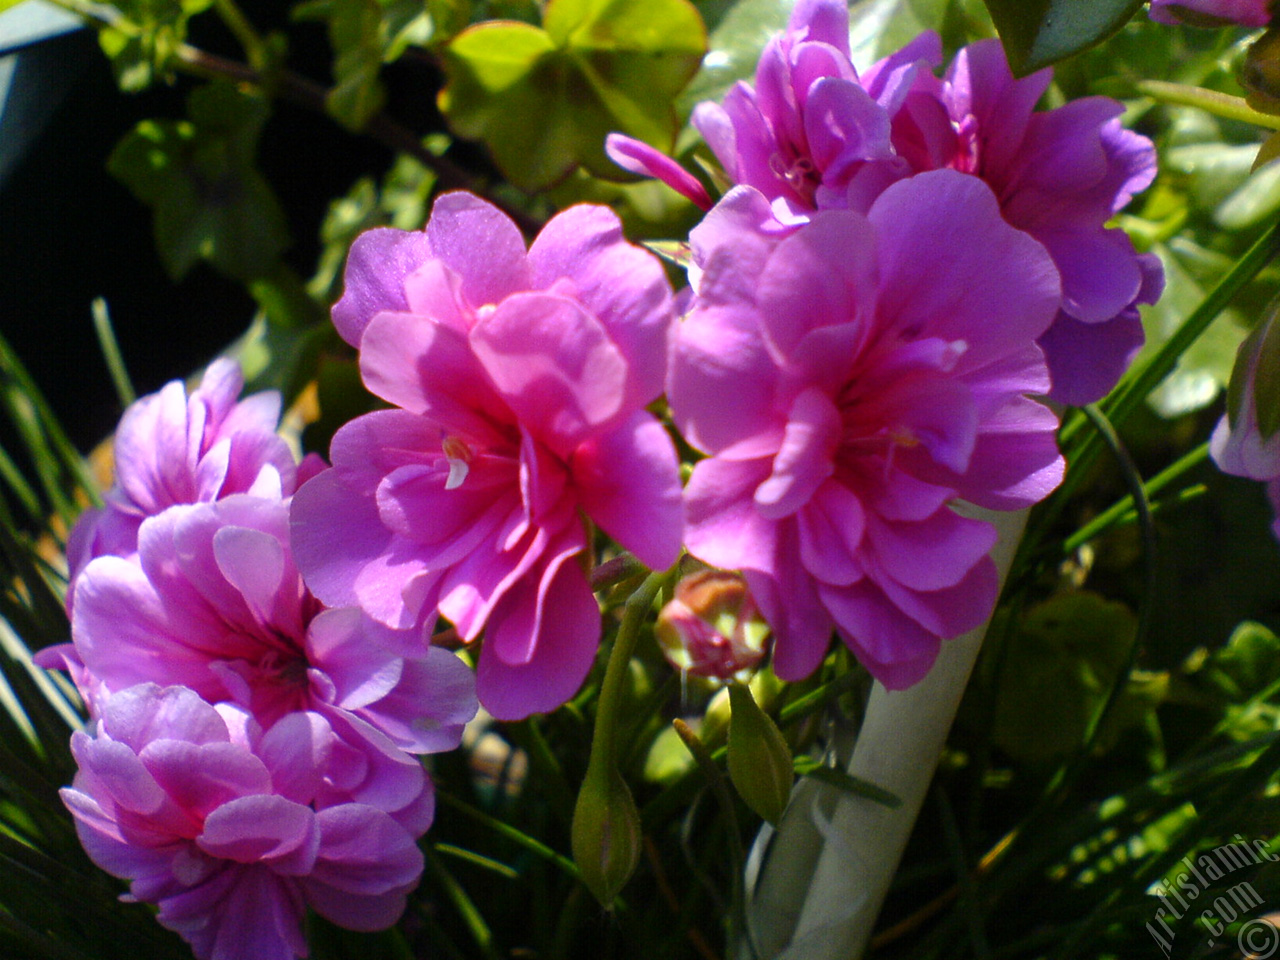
[[214, 603], [216, 823], [519, 381], [850, 381], [1212, 13], [171, 448], [812, 134]]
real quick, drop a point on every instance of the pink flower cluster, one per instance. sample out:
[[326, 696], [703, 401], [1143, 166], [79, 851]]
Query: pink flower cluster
[[907, 264], [253, 752], [812, 134]]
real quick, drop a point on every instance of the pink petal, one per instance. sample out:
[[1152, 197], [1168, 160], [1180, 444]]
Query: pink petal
[[540, 644], [481, 245], [723, 526], [628, 481], [377, 265], [639, 158], [555, 366], [621, 285]]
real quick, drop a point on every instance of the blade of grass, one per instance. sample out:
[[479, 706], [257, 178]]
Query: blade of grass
[[111, 353]]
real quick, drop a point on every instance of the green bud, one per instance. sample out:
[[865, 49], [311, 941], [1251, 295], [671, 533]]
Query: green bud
[[759, 761], [606, 833]]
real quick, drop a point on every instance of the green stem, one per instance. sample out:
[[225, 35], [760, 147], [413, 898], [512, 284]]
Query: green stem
[[255, 50], [111, 353], [604, 742], [1211, 101], [1124, 506]]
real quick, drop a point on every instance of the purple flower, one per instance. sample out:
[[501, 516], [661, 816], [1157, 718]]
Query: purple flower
[[519, 381], [850, 381], [214, 603], [1246, 441], [814, 135], [215, 823], [171, 448], [1212, 13]]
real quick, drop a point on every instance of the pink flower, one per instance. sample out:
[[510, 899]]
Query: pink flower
[[850, 381], [171, 448], [1212, 13], [814, 135], [1246, 441], [214, 823], [519, 382], [214, 603]]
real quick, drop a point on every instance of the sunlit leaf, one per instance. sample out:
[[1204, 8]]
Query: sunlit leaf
[[543, 99]]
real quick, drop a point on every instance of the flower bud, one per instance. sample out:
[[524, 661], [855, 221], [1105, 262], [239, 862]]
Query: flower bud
[[606, 833], [712, 628], [760, 762]]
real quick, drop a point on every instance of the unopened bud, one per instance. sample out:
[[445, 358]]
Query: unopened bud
[[760, 762], [712, 628], [606, 834]]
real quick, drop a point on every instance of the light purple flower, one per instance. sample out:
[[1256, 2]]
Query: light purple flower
[[850, 381], [1212, 13], [213, 602], [171, 448], [215, 823], [1246, 442], [519, 381], [812, 134]]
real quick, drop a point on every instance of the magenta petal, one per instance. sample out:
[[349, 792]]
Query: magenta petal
[[481, 245], [201, 777], [377, 265], [426, 367], [628, 481], [804, 461], [896, 649], [844, 127], [1100, 272], [723, 526], [555, 366], [826, 21], [830, 530], [950, 611], [639, 158], [933, 554], [563, 619], [940, 232], [793, 607], [623, 286], [346, 555], [1086, 360], [250, 829]]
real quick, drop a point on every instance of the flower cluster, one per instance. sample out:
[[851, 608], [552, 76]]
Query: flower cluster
[[813, 134], [254, 752], [519, 381], [906, 266]]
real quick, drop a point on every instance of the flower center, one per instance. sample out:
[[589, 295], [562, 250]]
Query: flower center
[[458, 456]]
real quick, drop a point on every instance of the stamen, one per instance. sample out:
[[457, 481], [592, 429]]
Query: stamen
[[458, 455]]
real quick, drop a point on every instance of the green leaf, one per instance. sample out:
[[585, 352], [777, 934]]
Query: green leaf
[[1056, 672], [198, 176], [142, 44], [1037, 33], [543, 99]]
